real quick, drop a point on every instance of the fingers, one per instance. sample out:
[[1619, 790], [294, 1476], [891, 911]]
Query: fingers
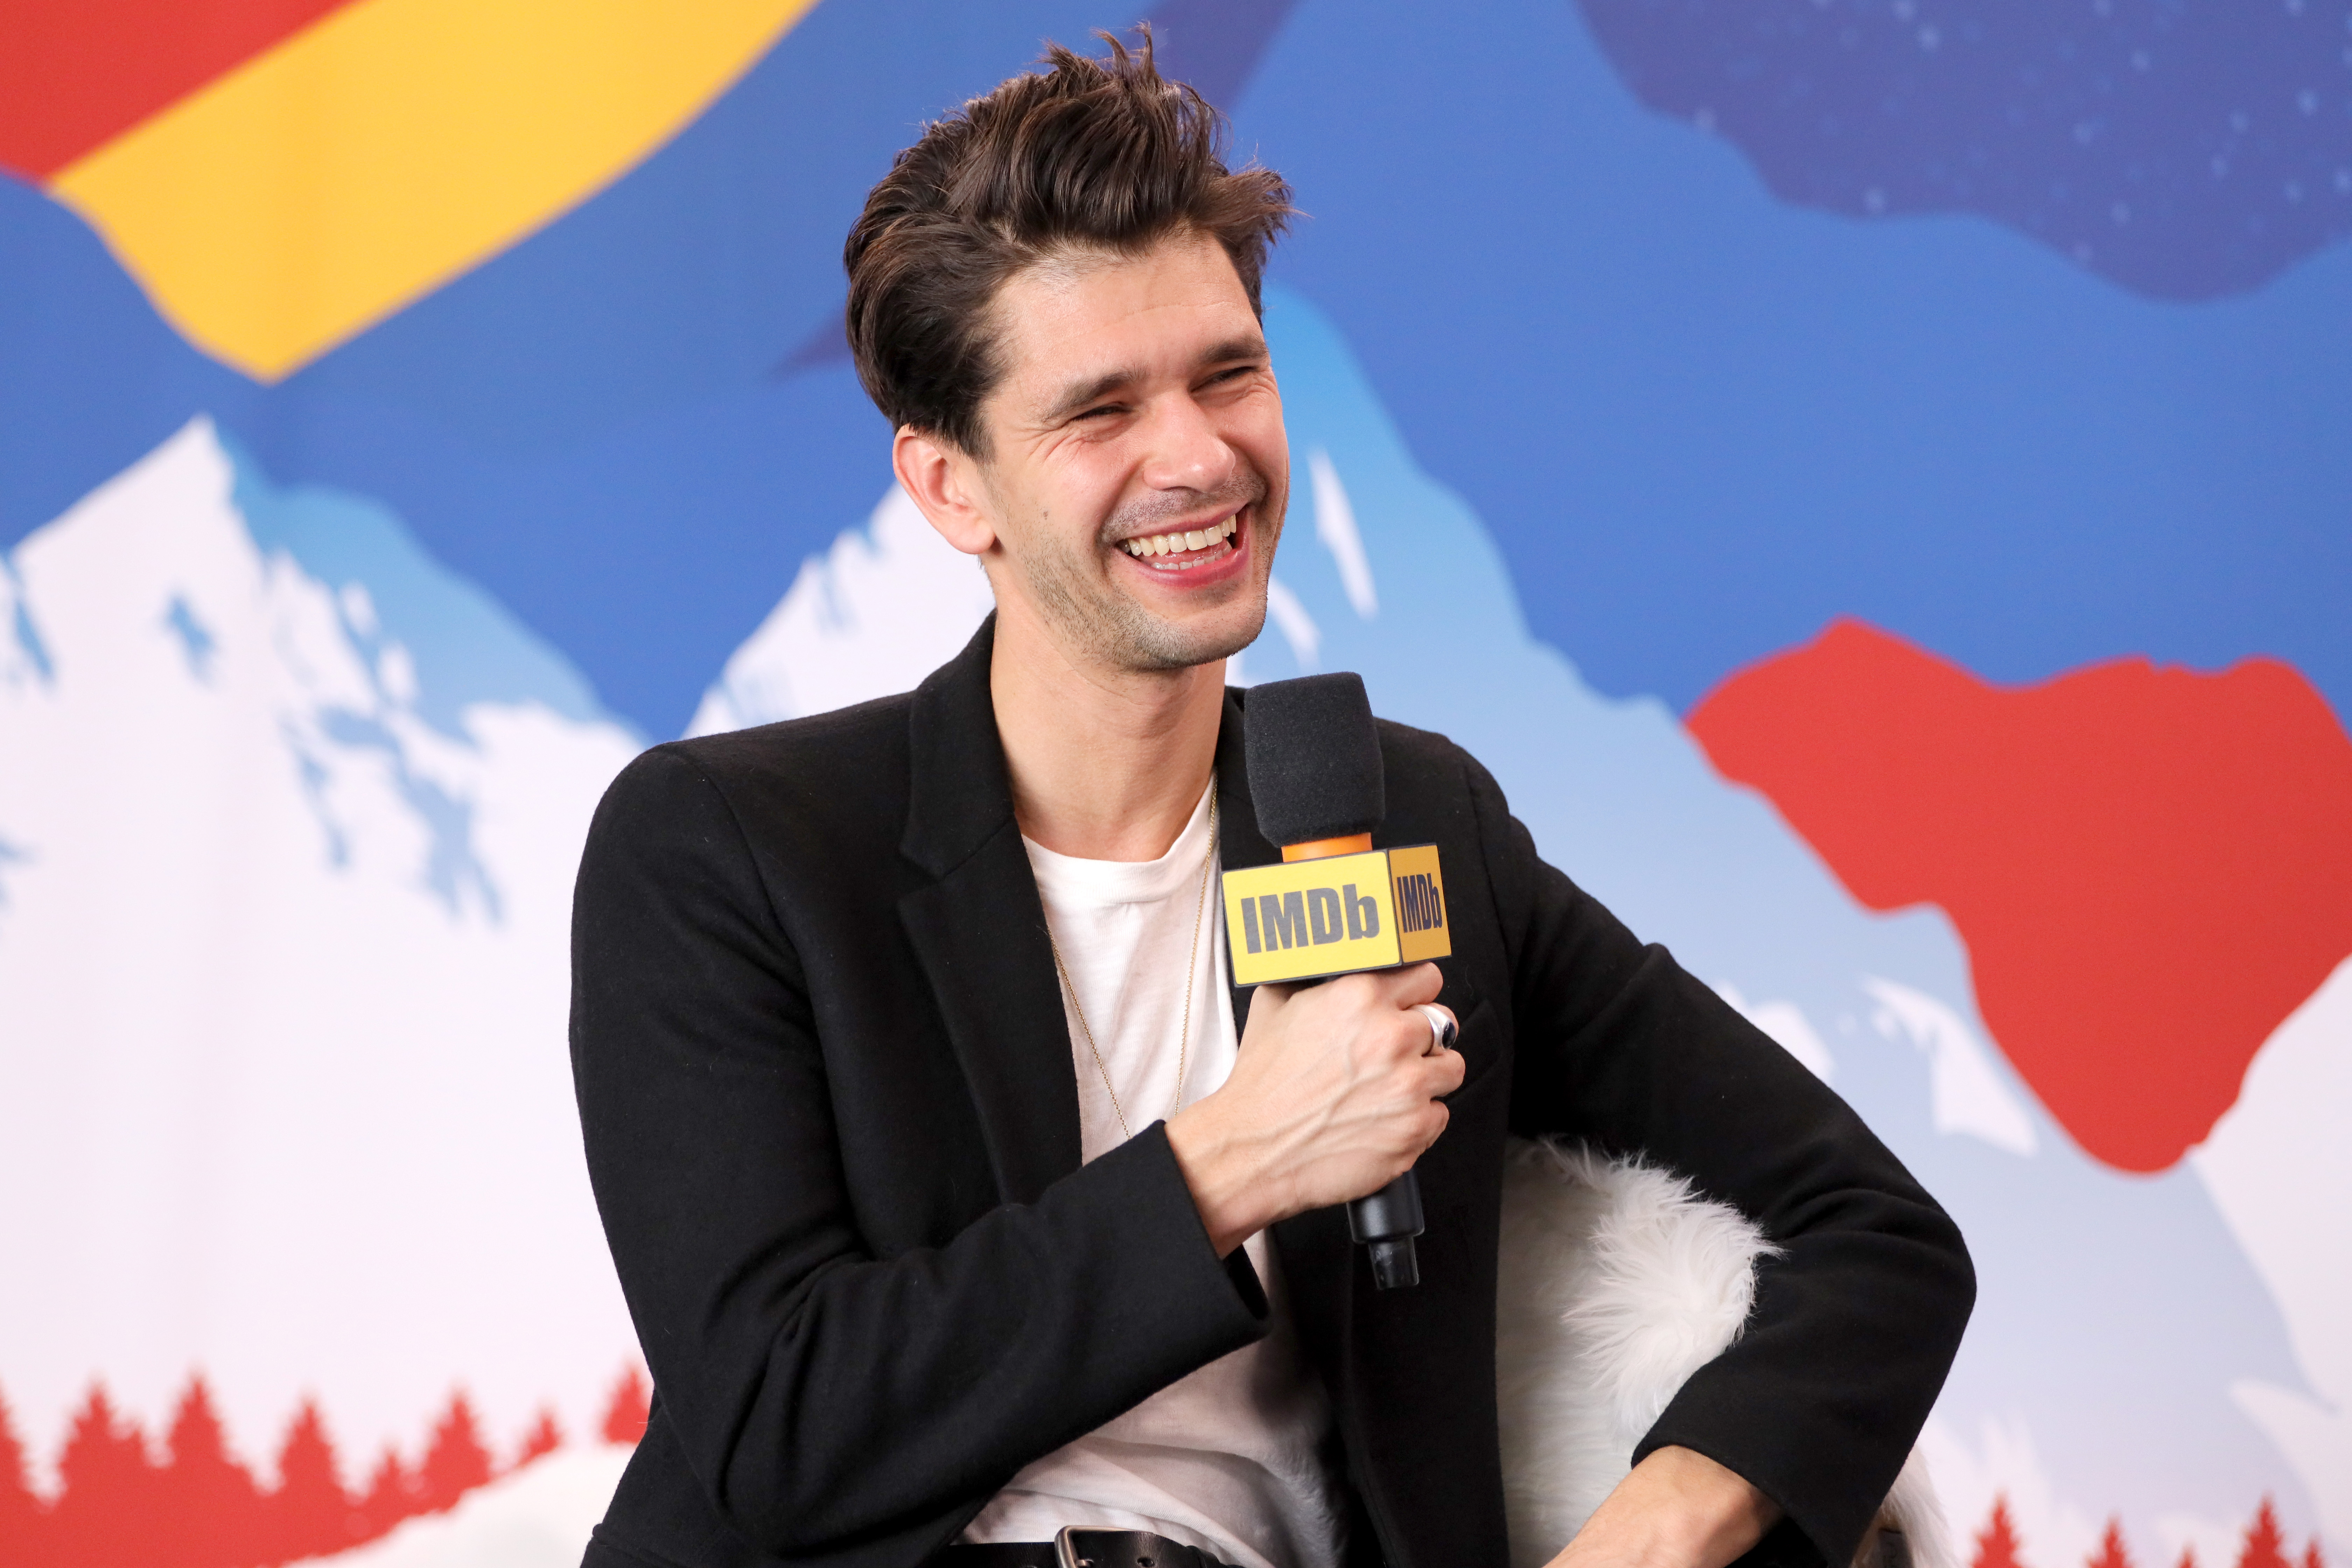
[[1444, 1072], [1412, 983], [1274, 995], [1268, 1004], [1412, 987], [1431, 1128], [1426, 1080]]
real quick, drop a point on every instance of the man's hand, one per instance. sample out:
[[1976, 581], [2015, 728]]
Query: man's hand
[[1334, 1097], [1677, 1509]]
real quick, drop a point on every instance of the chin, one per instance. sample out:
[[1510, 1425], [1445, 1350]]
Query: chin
[[1146, 641], [1166, 646]]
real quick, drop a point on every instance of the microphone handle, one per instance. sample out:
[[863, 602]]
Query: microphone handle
[[1387, 1221]]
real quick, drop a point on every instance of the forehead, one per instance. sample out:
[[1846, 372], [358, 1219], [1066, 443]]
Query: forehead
[[1080, 316]]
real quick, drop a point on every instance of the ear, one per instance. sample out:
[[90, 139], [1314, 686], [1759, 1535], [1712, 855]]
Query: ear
[[945, 485]]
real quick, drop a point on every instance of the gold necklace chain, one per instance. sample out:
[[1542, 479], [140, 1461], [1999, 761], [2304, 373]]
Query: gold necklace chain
[[1192, 959]]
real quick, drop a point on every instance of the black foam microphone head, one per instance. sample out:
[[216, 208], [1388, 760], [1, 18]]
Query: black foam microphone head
[[1314, 758]]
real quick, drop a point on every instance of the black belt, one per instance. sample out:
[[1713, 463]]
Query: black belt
[[1077, 1548]]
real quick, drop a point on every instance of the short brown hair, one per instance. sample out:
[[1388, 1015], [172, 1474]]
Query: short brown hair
[[1083, 155]]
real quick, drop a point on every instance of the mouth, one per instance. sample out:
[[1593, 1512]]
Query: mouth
[[1186, 550]]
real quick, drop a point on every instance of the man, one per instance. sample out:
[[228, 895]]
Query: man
[[956, 1198]]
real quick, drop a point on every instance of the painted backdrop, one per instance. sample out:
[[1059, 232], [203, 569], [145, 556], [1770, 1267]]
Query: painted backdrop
[[1872, 478]]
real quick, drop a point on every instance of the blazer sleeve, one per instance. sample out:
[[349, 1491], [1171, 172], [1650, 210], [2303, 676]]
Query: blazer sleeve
[[1856, 1322], [823, 1396]]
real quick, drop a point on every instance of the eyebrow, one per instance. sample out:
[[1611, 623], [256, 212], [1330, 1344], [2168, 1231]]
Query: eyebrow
[[1079, 395]]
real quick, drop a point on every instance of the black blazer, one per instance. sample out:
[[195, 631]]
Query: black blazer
[[826, 1087]]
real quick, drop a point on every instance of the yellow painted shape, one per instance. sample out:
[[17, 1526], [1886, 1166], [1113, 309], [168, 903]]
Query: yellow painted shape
[[390, 147], [1423, 930], [1306, 931]]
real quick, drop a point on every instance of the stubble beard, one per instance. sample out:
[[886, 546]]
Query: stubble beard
[[1076, 596]]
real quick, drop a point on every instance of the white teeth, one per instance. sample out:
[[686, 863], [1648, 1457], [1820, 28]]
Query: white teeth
[[1192, 538]]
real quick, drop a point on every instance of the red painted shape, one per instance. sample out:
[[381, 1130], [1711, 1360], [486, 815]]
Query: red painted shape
[[117, 1507], [309, 1515], [2151, 868], [2112, 1552], [456, 1462], [74, 75], [22, 1521], [2266, 1545], [203, 1508], [543, 1438], [1997, 1541], [631, 1407], [107, 1487]]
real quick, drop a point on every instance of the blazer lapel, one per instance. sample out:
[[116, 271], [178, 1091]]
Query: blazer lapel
[[1239, 843], [1318, 1256], [979, 929]]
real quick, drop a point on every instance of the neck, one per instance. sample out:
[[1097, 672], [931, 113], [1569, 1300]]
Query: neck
[[1105, 764]]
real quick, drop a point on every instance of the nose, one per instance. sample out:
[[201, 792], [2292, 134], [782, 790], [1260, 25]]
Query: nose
[[1186, 451]]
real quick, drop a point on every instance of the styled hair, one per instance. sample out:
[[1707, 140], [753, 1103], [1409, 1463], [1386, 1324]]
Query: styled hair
[[1084, 155]]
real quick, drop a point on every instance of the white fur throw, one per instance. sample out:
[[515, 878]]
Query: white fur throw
[[1618, 1281]]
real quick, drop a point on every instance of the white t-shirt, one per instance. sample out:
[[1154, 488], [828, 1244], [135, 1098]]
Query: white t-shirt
[[1230, 1458]]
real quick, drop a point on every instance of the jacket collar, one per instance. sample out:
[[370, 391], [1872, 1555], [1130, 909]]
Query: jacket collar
[[979, 928], [960, 795], [1239, 843]]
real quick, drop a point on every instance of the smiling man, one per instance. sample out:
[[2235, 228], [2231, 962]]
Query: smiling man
[[958, 1199]]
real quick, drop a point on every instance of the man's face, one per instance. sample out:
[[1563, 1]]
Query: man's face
[[1136, 468]]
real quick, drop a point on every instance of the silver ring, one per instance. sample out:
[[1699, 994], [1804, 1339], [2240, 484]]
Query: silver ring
[[1441, 1027]]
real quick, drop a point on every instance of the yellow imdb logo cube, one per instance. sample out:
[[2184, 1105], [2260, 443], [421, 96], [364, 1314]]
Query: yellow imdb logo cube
[[1306, 919]]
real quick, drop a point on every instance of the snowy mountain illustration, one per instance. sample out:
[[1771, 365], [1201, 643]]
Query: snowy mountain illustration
[[291, 819], [287, 827]]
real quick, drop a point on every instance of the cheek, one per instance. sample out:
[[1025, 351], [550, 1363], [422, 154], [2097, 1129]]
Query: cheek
[[1082, 488], [1259, 436]]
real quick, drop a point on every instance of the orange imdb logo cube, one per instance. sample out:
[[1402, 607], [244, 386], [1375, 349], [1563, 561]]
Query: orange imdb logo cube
[[1306, 919]]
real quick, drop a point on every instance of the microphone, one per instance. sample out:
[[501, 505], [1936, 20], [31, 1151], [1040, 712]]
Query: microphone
[[1336, 905]]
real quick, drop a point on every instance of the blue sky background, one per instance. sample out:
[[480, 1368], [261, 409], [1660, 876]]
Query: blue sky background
[[1699, 421]]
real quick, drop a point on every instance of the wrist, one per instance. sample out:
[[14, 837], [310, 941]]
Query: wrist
[[1228, 1187], [1717, 1514], [1677, 1509]]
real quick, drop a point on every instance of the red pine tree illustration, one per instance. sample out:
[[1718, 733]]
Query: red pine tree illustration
[[2188, 1557], [1997, 1542], [2265, 1544], [308, 1515], [2311, 1558], [391, 1496], [457, 1462], [117, 1508], [24, 1522], [208, 1511], [543, 1438], [2111, 1553], [101, 1518], [630, 1408]]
